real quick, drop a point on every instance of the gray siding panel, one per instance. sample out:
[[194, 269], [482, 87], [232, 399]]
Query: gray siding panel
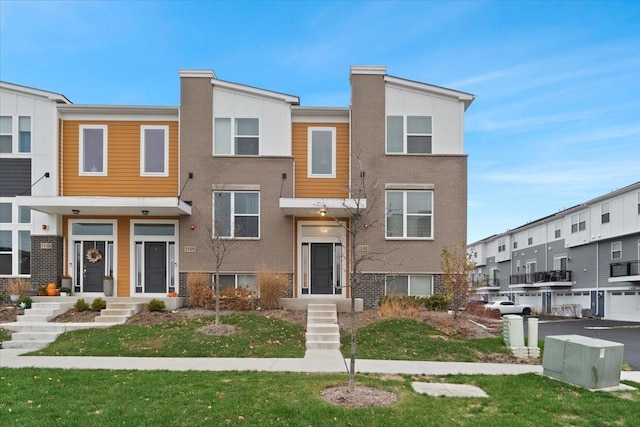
[[15, 177], [583, 266]]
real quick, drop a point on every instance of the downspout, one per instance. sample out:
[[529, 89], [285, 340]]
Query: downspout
[[598, 279]]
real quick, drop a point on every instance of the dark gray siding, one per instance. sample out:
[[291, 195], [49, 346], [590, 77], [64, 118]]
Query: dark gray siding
[[583, 266], [15, 177], [629, 253]]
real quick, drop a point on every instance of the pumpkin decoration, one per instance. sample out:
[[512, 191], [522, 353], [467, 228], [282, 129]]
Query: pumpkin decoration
[[172, 294], [52, 289]]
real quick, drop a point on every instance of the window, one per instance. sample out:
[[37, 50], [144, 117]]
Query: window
[[560, 262], [529, 238], [616, 250], [409, 285], [236, 214], [604, 212], [236, 136], [558, 230], [322, 152], [15, 239], [409, 214], [416, 139], [237, 281], [515, 245], [578, 222], [154, 150], [93, 150], [501, 245], [638, 202], [7, 137]]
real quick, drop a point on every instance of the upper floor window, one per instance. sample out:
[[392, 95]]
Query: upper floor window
[[530, 238], [515, 244], [638, 202], [93, 150], [604, 212], [558, 230], [154, 150], [501, 245], [578, 222], [322, 152], [237, 136], [409, 214], [7, 135], [236, 214], [616, 250], [409, 134]]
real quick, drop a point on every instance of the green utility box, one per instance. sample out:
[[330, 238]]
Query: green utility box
[[586, 362]]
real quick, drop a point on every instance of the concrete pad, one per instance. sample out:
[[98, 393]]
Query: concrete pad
[[448, 390], [619, 387]]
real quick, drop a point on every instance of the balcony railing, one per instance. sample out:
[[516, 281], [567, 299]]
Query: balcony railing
[[624, 269], [540, 277], [486, 283]]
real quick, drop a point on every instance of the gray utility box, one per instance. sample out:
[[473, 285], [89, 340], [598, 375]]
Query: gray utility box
[[586, 362]]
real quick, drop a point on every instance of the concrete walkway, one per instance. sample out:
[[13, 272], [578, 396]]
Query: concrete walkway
[[319, 364]]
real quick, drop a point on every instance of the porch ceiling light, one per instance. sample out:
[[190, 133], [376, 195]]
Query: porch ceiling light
[[323, 212], [145, 212], [75, 211]]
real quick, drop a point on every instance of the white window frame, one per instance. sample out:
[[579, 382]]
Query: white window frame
[[502, 245], [529, 238], [105, 150], [405, 215], [406, 134], [15, 227], [232, 141], [616, 247], [409, 277], [579, 222], [143, 150], [638, 202], [232, 214], [557, 261], [558, 230], [605, 213], [15, 134], [310, 132], [236, 280]]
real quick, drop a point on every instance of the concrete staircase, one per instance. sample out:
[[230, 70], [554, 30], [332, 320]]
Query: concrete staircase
[[119, 312], [323, 334]]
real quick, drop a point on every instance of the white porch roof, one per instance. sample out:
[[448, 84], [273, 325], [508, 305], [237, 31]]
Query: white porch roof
[[308, 207], [127, 206]]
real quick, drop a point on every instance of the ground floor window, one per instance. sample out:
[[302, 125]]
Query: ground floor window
[[411, 285], [237, 281]]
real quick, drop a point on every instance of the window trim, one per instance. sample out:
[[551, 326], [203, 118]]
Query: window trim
[[310, 131], [558, 230], [409, 276], [232, 215], [15, 227], [233, 136], [579, 220], [613, 251], [605, 213], [406, 134], [105, 150], [143, 149], [405, 215], [14, 120]]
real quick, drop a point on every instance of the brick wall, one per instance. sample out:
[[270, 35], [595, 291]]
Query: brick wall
[[46, 264]]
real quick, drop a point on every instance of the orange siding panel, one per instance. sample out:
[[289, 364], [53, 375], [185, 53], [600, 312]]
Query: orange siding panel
[[123, 169], [321, 187]]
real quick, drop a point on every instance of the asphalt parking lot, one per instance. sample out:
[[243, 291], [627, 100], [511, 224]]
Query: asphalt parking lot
[[627, 333]]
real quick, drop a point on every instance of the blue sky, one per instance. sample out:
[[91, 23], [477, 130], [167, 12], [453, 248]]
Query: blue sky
[[555, 123]]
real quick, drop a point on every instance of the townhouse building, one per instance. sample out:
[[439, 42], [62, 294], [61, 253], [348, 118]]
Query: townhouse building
[[588, 254], [144, 194]]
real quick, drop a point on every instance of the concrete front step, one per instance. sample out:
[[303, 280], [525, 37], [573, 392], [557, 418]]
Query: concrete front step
[[110, 319], [311, 336], [44, 311], [26, 344], [117, 312], [323, 328], [323, 345], [35, 336]]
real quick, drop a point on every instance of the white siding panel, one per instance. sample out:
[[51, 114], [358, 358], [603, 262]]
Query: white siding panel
[[447, 129]]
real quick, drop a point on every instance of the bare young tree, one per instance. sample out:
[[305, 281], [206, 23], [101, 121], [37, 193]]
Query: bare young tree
[[456, 267]]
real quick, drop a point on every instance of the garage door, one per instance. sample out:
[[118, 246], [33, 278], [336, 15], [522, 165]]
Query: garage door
[[624, 306]]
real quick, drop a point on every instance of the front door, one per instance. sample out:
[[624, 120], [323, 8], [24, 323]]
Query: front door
[[322, 268], [597, 303], [155, 255], [93, 271]]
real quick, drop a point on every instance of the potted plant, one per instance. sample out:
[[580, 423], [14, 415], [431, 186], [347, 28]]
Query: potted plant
[[17, 288], [65, 291], [65, 282], [107, 286], [42, 290]]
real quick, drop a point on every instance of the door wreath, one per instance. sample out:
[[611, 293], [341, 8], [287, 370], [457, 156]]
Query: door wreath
[[93, 255]]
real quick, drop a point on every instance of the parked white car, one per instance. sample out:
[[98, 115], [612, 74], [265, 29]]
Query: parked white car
[[508, 307]]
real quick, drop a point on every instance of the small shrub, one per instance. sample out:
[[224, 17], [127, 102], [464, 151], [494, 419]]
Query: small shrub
[[238, 298], [272, 287], [17, 286], [199, 289], [399, 308], [98, 304], [156, 305], [81, 305], [26, 300], [437, 302]]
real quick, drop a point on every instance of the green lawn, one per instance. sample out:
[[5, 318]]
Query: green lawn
[[44, 397], [258, 336], [405, 339]]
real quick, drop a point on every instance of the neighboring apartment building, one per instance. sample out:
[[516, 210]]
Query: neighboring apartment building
[[588, 254], [29, 240], [139, 191]]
